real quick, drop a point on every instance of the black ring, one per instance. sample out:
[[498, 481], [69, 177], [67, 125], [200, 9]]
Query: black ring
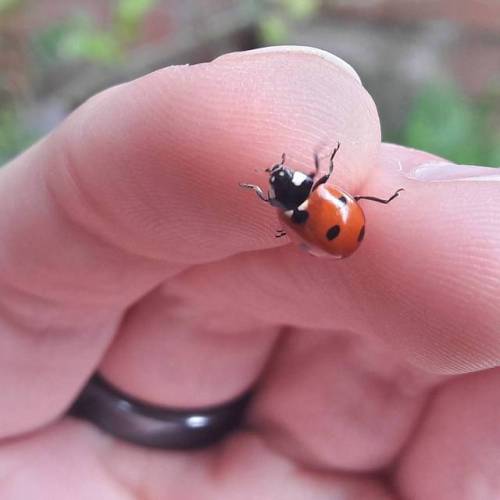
[[157, 427]]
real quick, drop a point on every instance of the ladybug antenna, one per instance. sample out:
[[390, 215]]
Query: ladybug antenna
[[275, 167]]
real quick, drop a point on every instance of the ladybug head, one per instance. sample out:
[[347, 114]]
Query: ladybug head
[[288, 188]]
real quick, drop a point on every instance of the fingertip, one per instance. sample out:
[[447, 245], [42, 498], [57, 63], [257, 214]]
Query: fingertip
[[163, 156], [297, 51], [141, 182]]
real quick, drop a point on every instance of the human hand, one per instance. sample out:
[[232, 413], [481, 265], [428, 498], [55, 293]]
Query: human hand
[[128, 247]]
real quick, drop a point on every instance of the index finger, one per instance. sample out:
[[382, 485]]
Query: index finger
[[157, 162], [141, 182]]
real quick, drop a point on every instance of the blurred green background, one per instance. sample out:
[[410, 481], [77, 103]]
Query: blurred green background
[[433, 67]]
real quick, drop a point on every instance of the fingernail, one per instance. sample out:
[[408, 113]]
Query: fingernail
[[297, 50], [443, 171]]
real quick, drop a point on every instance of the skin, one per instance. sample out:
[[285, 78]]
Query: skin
[[127, 246]]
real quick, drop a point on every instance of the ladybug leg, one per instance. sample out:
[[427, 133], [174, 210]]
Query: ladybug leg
[[325, 178], [379, 200], [257, 190], [280, 233], [316, 165], [318, 158]]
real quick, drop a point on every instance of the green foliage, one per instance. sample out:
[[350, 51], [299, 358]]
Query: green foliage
[[301, 9], [8, 5], [46, 45], [76, 39], [273, 30], [13, 136], [86, 42], [445, 122], [129, 16], [274, 26], [80, 37]]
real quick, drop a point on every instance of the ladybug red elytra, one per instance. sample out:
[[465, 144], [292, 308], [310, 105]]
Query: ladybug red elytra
[[327, 219]]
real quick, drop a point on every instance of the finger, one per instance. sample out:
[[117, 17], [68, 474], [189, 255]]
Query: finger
[[433, 268], [425, 280], [212, 353], [335, 400], [285, 288], [169, 353], [322, 393], [456, 452], [193, 134], [139, 183]]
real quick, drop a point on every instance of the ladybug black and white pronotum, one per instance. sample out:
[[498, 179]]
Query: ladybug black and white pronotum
[[326, 218]]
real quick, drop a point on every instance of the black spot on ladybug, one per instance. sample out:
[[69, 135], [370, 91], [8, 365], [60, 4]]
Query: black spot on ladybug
[[300, 216], [343, 199], [333, 232], [361, 234]]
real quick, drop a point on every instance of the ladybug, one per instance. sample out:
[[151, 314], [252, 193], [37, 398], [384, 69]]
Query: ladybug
[[327, 219]]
